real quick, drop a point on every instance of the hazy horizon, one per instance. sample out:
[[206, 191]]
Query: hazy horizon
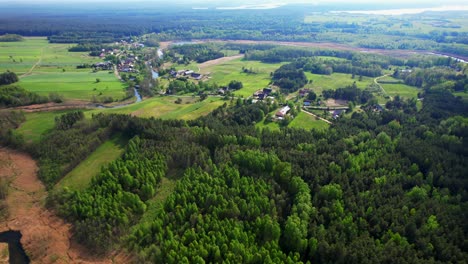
[[254, 2]]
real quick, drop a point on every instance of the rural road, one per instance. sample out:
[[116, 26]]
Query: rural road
[[35, 65], [376, 81]]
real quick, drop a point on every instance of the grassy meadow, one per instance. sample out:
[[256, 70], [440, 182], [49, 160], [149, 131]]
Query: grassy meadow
[[166, 108], [395, 87], [223, 73], [308, 122], [334, 81], [38, 123], [45, 68], [75, 85], [81, 175]]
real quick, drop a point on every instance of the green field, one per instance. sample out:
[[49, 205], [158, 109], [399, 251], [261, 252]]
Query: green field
[[20, 57], [37, 124], [75, 85], [45, 68], [334, 81], [225, 72], [394, 87], [308, 122], [166, 108], [81, 175]]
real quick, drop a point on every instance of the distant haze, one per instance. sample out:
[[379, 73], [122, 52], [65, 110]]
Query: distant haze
[[239, 2]]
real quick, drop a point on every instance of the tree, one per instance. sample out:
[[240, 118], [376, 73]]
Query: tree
[[235, 85], [312, 96]]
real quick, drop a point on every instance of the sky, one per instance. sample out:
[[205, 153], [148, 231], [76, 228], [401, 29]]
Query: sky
[[249, 2]]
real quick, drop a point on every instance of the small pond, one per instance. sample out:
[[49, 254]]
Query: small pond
[[15, 249]]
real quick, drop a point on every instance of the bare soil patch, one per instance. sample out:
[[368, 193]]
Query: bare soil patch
[[46, 237], [336, 103]]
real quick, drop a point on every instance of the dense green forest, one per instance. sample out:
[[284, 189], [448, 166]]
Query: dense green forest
[[384, 183], [378, 187]]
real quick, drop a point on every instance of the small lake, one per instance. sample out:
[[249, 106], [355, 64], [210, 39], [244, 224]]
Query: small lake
[[15, 249]]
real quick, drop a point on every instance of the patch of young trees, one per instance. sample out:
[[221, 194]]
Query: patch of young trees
[[377, 186], [289, 77]]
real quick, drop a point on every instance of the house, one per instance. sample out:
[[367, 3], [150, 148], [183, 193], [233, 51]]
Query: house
[[267, 91], [303, 92], [261, 96], [189, 72], [307, 102], [173, 73], [221, 91], [283, 111], [196, 76], [257, 93], [337, 113]]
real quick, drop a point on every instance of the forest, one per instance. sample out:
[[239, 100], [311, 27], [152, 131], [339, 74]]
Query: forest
[[311, 23], [232, 181], [377, 187]]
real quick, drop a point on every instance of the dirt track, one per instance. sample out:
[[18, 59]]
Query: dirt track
[[46, 237]]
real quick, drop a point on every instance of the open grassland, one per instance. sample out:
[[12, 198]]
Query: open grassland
[[20, 57], [75, 85], [166, 108], [80, 177], [274, 126], [394, 87], [37, 124], [308, 122], [44, 68], [334, 81], [223, 73]]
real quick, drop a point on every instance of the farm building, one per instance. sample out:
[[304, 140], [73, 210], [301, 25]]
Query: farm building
[[283, 111]]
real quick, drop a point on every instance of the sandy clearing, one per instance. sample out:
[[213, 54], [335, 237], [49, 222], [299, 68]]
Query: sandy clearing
[[46, 237]]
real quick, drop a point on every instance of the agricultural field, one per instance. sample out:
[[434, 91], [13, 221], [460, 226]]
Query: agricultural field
[[75, 85], [20, 57], [81, 175], [334, 81], [166, 108], [223, 73], [395, 87], [47, 68]]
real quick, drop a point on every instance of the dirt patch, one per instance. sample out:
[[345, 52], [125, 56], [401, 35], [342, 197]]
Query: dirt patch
[[71, 104], [210, 63], [46, 237], [336, 103]]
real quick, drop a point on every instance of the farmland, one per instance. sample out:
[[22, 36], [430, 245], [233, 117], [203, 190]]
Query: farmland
[[395, 87], [49, 68], [223, 73]]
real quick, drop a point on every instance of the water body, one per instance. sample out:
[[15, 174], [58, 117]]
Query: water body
[[15, 249], [138, 99], [154, 74], [137, 95], [407, 11]]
